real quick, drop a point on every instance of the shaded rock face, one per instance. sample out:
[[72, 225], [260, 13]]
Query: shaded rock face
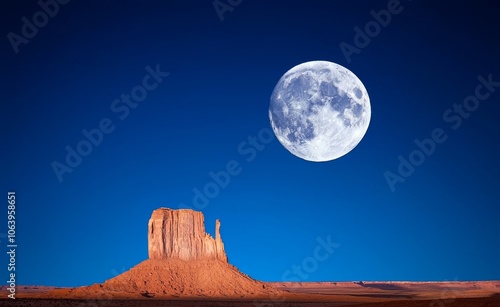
[[181, 234]]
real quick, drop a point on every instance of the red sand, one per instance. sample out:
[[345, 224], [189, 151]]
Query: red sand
[[175, 277], [175, 282], [124, 291]]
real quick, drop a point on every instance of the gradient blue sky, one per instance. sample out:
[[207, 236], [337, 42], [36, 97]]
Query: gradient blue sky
[[440, 224]]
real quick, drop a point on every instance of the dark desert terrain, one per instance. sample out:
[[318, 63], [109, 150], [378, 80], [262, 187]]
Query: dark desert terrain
[[373, 294]]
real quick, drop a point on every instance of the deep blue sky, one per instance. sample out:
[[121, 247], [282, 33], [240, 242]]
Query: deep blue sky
[[440, 224]]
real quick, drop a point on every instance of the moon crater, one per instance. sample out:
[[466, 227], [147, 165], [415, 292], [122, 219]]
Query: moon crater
[[319, 111]]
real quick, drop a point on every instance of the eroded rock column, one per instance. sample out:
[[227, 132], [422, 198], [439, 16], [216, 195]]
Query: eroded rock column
[[181, 234]]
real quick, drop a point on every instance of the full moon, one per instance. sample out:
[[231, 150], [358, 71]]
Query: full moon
[[319, 111]]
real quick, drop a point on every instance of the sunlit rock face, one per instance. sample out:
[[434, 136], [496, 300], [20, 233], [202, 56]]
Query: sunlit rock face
[[181, 234]]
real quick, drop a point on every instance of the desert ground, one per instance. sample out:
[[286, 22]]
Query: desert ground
[[372, 294]]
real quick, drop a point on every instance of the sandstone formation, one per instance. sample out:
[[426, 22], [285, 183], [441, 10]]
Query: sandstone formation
[[195, 278], [184, 262], [181, 234]]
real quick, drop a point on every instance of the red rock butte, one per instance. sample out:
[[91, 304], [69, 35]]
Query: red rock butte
[[181, 234], [184, 261]]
